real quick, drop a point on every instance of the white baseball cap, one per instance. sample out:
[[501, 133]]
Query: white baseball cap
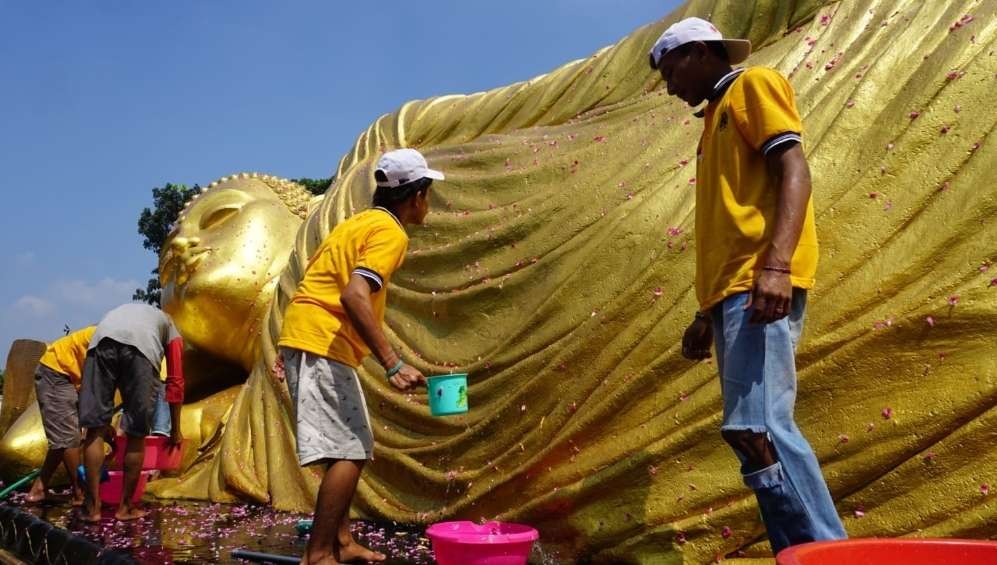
[[403, 166], [697, 29]]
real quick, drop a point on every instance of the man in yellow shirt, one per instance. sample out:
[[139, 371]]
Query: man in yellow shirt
[[756, 256], [57, 384], [335, 320]]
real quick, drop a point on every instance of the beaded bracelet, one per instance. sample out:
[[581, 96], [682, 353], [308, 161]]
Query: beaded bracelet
[[394, 370]]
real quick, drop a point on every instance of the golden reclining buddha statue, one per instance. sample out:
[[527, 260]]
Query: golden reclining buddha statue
[[556, 268]]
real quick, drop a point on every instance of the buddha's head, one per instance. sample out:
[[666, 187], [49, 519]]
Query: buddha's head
[[220, 264]]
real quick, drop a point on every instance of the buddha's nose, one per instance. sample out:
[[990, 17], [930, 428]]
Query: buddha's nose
[[181, 244]]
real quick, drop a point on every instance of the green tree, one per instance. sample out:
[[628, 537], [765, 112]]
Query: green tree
[[315, 186], [155, 224]]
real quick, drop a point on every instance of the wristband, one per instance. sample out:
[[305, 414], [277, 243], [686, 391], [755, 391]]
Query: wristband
[[783, 270], [394, 370]]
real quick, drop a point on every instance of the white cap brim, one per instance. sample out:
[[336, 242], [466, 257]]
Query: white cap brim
[[737, 49], [435, 175]]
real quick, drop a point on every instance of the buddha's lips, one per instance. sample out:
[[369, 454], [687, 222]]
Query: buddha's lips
[[182, 266]]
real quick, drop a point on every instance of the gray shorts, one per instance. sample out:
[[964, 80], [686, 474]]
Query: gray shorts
[[330, 410], [59, 404], [112, 365]]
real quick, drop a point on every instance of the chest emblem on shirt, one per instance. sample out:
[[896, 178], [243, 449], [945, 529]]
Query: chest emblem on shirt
[[722, 123]]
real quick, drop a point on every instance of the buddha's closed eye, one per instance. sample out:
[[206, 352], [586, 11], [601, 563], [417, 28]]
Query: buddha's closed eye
[[217, 217]]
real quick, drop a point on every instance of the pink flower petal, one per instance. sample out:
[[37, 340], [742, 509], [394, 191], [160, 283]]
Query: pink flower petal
[[887, 413], [953, 300], [726, 532], [930, 321]]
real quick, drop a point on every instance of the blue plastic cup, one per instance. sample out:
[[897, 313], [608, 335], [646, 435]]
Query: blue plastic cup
[[447, 394]]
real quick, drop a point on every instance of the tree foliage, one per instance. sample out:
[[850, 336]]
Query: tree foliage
[[155, 224], [315, 186]]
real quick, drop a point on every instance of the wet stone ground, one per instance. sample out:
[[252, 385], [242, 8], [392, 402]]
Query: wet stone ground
[[198, 532]]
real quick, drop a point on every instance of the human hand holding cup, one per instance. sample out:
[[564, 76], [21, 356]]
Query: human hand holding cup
[[408, 377]]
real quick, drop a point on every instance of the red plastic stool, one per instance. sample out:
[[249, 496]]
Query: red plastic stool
[[888, 551]]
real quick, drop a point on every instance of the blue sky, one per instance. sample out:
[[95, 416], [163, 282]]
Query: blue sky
[[102, 101]]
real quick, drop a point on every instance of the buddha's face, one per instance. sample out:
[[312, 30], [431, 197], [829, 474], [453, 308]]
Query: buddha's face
[[220, 265]]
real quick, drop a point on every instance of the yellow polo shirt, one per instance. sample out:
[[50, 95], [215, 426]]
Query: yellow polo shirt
[[371, 244], [735, 196], [66, 354]]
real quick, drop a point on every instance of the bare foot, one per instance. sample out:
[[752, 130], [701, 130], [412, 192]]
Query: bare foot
[[38, 493], [353, 552], [77, 499], [91, 512], [126, 514]]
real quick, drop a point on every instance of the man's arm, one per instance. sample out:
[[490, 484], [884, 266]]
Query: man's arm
[[773, 292], [175, 386], [357, 303]]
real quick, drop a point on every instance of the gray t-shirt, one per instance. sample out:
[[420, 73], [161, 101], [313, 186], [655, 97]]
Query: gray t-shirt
[[145, 327]]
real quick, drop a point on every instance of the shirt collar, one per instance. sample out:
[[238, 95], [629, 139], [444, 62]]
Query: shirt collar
[[719, 89], [390, 213]]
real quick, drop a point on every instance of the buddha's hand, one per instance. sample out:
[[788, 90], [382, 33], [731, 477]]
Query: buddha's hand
[[408, 377], [698, 339]]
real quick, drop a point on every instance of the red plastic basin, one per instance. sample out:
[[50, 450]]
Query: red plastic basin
[[491, 543], [891, 552], [110, 490], [158, 453]]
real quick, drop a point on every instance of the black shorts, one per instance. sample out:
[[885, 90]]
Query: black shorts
[[112, 365]]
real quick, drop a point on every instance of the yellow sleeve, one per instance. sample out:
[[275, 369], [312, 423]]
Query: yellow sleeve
[[765, 110], [382, 253]]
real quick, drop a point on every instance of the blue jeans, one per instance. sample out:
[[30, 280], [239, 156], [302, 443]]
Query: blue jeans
[[757, 365], [161, 419]]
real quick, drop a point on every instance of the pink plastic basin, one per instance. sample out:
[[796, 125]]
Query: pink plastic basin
[[110, 490], [158, 454], [491, 543], [890, 552]]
